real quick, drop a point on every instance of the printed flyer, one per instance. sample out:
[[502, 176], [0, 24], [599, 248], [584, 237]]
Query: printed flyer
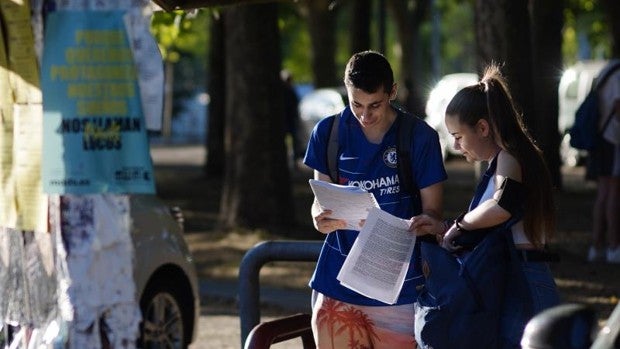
[[94, 132]]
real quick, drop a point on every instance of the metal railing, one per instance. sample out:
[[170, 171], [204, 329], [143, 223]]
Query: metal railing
[[279, 330], [253, 261]]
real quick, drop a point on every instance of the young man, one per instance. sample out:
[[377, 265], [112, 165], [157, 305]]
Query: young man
[[367, 133]]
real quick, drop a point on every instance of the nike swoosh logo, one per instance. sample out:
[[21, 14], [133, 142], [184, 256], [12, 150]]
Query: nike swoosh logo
[[342, 157]]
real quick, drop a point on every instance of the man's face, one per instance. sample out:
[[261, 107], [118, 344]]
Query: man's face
[[370, 109]]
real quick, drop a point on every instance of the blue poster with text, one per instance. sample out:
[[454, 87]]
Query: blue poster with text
[[94, 134]]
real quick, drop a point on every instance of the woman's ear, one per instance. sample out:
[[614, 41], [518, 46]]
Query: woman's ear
[[483, 128]]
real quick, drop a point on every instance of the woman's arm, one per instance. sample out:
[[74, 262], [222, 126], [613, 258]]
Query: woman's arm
[[497, 209]]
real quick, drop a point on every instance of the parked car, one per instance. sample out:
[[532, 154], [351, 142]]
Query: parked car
[[438, 100], [575, 84], [165, 275], [316, 105]]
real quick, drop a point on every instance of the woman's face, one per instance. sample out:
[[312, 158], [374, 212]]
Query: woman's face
[[473, 142]]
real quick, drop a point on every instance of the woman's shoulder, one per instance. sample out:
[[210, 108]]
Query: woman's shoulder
[[508, 166]]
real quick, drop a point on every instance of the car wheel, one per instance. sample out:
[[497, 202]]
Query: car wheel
[[166, 316]]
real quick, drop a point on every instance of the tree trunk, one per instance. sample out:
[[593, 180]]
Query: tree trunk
[[612, 8], [503, 36], [321, 24], [547, 22], [166, 127], [257, 187], [217, 104], [360, 25], [408, 21]]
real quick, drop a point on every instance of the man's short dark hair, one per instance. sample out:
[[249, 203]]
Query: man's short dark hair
[[369, 71]]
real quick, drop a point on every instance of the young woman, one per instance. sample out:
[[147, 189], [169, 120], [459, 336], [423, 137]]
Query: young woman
[[486, 126]]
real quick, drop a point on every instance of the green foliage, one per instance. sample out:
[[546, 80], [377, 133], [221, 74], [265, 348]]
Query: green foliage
[[181, 33], [585, 26], [183, 39], [184, 35], [458, 49], [295, 43]]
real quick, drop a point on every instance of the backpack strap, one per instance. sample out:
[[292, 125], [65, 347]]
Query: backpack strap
[[405, 125], [601, 80], [332, 149], [404, 139], [600, 83]]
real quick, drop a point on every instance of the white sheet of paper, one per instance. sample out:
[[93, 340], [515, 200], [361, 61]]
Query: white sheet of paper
[[379, 258], [346, 202]]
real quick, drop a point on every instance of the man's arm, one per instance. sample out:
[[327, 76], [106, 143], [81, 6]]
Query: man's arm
[[432, 200]]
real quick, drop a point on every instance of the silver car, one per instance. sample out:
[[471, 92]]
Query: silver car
[[316, 105], [165, 275]]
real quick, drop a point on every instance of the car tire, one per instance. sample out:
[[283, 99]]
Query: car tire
[[167, 318]]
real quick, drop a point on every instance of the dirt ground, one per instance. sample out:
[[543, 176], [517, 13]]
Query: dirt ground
[[181, 182]]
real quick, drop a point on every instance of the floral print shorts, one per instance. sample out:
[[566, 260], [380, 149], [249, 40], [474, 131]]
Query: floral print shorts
[[337, 325]]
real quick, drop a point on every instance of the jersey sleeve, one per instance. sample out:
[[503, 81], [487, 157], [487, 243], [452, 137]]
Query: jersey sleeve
[[428, 166], [316, 152]]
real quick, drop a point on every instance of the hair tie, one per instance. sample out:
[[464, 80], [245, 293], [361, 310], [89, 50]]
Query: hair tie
[[485, 85]]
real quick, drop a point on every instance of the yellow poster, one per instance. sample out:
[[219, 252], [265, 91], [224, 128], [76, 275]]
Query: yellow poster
[[22, 203], [31, 203], [8, 208], [22, 60]]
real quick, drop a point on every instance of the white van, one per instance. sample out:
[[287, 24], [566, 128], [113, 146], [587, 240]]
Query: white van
[[576, 82]]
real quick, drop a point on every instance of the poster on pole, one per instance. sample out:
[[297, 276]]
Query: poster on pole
[[94, 132]]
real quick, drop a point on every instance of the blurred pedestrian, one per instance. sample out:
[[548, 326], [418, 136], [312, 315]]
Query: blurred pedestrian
[[291, 114], [604, 166]]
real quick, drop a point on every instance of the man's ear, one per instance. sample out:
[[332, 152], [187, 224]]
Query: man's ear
[[393, 92]]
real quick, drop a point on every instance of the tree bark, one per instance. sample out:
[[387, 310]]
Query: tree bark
[[217, 104], [408, 21], [257, 187], [503, 36], [360, 25], [547, 20], [612, 9], [321, 24]]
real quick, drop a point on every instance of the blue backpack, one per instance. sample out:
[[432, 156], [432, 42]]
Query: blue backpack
[[461, 301], [584, 132]]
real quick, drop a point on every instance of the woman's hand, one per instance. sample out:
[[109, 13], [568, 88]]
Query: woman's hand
[[448, 239]]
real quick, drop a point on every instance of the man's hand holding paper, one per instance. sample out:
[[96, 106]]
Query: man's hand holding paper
[[348, 203]]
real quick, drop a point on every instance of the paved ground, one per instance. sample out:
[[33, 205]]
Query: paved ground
[[221, 329]]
